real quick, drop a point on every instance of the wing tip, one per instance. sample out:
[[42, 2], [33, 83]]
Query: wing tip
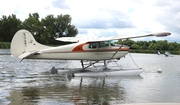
[[162, 34]]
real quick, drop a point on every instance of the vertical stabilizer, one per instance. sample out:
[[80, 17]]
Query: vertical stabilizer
[[24, 42]]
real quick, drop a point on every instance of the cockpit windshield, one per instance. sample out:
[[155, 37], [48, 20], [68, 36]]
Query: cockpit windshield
[[112, 43]]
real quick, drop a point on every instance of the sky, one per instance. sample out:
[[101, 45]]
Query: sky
[[106, 17]]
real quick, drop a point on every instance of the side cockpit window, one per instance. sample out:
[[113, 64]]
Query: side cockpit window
[[93, 45], [103, 44]]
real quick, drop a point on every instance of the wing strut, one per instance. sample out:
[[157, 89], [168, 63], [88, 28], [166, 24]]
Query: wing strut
[[118, 49]]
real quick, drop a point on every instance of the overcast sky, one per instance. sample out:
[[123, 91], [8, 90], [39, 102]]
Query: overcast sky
[[106, 17]]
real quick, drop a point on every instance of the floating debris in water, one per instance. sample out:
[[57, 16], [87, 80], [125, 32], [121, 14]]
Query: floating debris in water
[[159, 71], [54, 70]]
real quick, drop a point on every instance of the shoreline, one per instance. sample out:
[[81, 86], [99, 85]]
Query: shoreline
[[7, 51]]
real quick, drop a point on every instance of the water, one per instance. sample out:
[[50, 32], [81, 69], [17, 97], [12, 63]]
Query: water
[[31, 83]]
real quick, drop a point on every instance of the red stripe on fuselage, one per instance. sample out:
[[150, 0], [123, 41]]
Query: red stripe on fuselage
[[79, 48]]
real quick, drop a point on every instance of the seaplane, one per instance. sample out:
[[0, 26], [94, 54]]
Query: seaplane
[[93, 51], [167, 54]]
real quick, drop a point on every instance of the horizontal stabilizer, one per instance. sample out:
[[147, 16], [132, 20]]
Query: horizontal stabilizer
[[25, 55]]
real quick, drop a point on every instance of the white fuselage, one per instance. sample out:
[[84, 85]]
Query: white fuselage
[[82, 51], [24, 46]]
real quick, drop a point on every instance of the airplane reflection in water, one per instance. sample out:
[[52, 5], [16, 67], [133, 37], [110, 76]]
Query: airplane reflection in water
[[74, 91]]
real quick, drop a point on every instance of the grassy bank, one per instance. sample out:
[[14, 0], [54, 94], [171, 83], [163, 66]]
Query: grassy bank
[[5, 45]]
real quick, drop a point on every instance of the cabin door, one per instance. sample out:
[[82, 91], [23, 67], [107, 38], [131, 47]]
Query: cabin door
[[103, 50]]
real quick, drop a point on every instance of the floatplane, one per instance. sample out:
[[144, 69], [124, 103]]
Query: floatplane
[[93, 50]]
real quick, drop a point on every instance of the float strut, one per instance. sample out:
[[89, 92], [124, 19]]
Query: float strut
[[105, 64], [82, 64]]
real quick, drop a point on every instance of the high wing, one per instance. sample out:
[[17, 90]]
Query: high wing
[[161, 34], [77, 39]]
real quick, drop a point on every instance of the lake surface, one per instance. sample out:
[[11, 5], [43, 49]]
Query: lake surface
[[30, 82]]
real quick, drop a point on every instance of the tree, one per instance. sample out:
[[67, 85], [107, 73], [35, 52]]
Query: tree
[[152, 45], [143, 45], [162, 45], [126, 42], [34, 25], [8, 27], [50, 27], [59, 26], [135, 46], [173, 46]]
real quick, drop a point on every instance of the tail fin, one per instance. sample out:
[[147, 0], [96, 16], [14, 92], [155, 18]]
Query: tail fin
[[24, 42]]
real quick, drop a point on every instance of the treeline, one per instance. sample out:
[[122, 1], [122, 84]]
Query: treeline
[[43, 29], [160, 45]]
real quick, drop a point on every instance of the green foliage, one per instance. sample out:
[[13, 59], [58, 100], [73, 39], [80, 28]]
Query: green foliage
[[43, 29], [5, 45], [59, 26], [126, 42], [9, 25], [152, 46]]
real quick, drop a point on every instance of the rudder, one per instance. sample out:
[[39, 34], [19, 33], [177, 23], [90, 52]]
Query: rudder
[[23, 42]]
